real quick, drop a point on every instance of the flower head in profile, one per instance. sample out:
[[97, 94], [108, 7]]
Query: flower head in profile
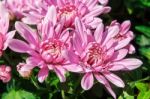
[[5, 36], [98, 56], [87, 10], [5, 73], [47, 48]]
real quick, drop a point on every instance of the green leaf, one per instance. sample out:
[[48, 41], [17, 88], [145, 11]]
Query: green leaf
[[145, 2], [142, 40], [147, 95], [145, 52], [125, 95], [141, 86], [20, 94], [143, 29]]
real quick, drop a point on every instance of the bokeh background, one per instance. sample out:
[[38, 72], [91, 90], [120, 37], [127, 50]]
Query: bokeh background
[[137, 81]]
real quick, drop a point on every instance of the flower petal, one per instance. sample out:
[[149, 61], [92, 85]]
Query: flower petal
[[120, 54], [129, 63], [51, 15], [87, 81], [98, 34], [19, 46], [114, 79], [102, 80], [26, 32], [60, 71], [43, 73]]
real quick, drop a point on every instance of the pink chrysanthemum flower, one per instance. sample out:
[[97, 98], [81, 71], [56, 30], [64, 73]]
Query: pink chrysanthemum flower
[[47, 48], [124, 36], [98, 55], [5, 73], [87, 10], [4, 25]]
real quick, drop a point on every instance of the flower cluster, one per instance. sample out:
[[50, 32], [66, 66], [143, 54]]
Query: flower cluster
[[69, 37]]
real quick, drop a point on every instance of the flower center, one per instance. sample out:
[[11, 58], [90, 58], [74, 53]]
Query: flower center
[[94, 56], [69, 12], [52, 50]]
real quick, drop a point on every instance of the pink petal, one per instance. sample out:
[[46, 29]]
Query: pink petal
[[26, 32], [19, 46], [125, 26], [114, 79], [60, 71], [117, 67], [111, 33], [103, 2], [98, 34], [120, 54], [87, 81], [9, 36], [43, 73], [129, 63], [51, 15], [102, 80], [81, 30], [73, 68], [122, 43]]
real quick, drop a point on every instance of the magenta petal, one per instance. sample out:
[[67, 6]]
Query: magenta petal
[[120, 54], [98, 33], [19, 46], [26, 32], [114, 79], [43, 73], [9, 36], [123, 43], [102, 80], [125, 26], [87, 81], [51, 15], [60, 71], [81, 30], [129, 63], [117, 67], [73, 68]]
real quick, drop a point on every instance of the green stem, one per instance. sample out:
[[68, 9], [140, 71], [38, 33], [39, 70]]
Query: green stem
[[35, 83], [63, 94]]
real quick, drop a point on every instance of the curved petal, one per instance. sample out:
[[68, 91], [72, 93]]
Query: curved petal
[[114, 79], [9, 36], [98, 34], [120, 54], [73, 68], [51, 15], [26, 32], [81, 30], [122, 43], [60, 71], [43, 73], [125, 26], [87, 81], [19, 46], [102, 80], [129, 63]]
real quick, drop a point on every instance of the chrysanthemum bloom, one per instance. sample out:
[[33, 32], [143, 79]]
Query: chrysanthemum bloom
[[125, 36], [98, 57], [4, 25], [5, 73], [48, 48], [87, 10]]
